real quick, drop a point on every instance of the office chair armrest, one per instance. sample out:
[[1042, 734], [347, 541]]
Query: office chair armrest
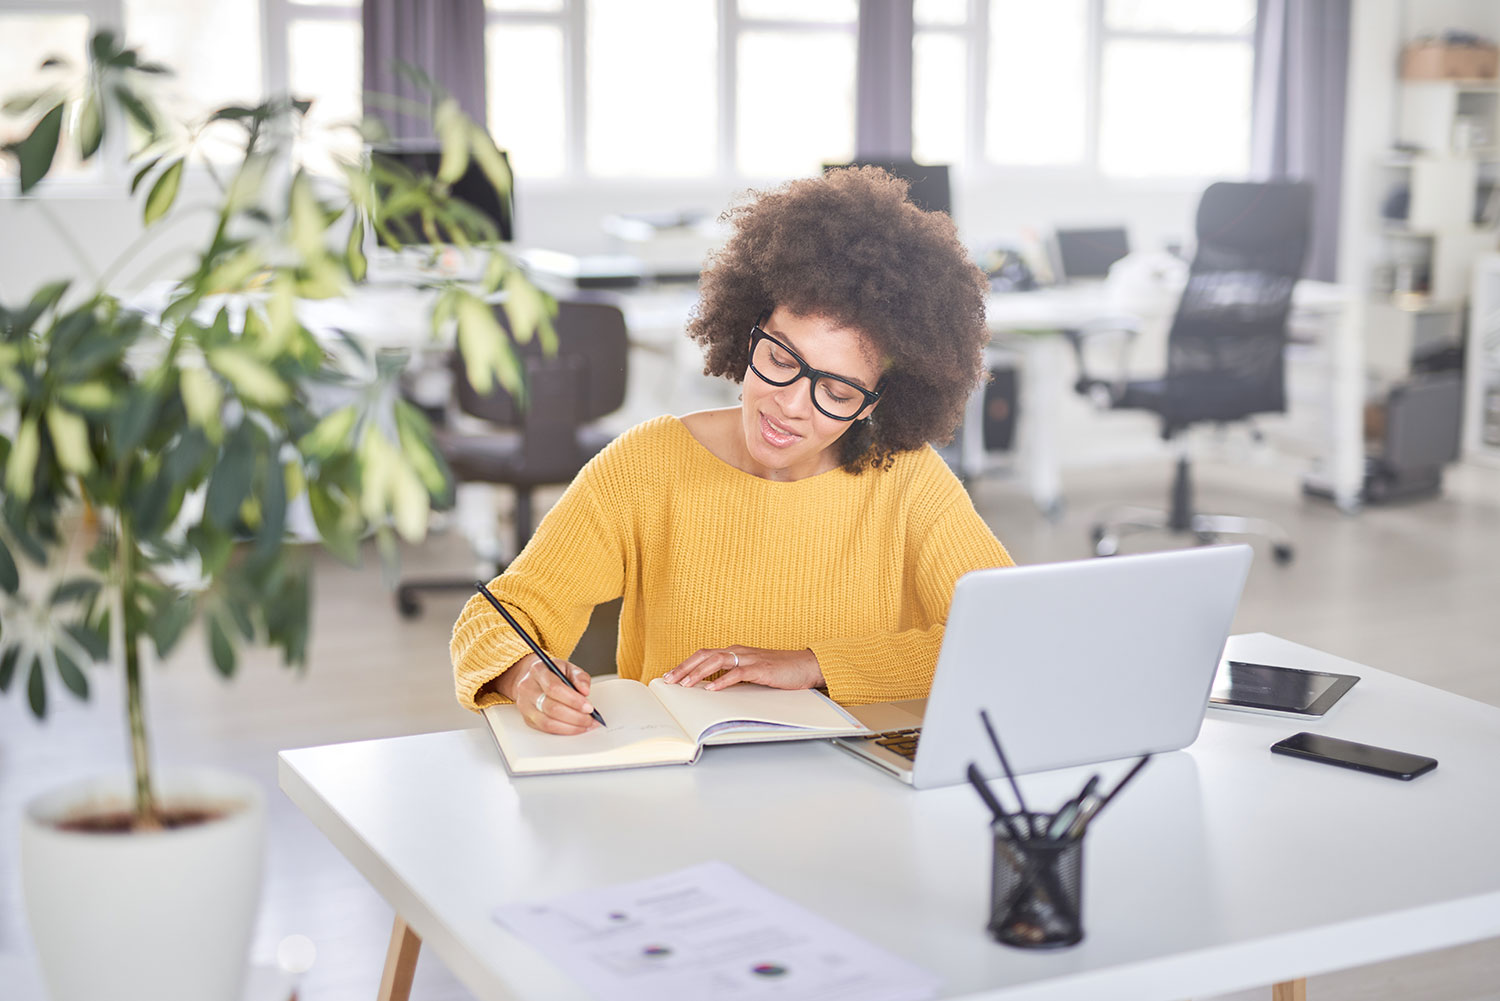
[[1102, 392]]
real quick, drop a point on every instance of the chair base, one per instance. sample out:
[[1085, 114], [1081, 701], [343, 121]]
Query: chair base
[[1118, 522]]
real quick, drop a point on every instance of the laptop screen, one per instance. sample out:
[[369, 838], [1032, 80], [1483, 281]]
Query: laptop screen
[[1088, 253]]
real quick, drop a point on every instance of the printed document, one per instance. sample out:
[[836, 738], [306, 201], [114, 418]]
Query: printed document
[[708, 931]]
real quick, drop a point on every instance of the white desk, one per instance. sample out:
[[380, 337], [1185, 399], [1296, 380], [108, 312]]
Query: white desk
[[1221, 868], [1027, 324]]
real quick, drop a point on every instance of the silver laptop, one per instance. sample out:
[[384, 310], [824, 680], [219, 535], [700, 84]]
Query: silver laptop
[[1075, 663]]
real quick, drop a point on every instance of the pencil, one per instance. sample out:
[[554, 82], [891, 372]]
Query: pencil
[[479, 585]]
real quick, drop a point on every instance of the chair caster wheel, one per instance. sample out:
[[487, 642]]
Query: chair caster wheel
[[1106, 546], [1206, 538], [1096, 534], [407, 604], [1281, 553]]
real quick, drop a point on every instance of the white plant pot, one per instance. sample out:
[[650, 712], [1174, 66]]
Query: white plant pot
[[161, 916]]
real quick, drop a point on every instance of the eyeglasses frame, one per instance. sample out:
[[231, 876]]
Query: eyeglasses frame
[[812, 375]]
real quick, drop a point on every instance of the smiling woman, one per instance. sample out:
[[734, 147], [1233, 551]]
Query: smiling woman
[[808, 538]]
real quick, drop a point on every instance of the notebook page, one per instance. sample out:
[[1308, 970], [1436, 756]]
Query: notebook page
[[638, 731], [700, 710]]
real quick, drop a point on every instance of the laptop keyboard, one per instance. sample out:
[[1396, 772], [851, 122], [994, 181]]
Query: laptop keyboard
[[902, 742]]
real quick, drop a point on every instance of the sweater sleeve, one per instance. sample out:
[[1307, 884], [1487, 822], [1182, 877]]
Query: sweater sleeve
[[891, 665], [574, 561]]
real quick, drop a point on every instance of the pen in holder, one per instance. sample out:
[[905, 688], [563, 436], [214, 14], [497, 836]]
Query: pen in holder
[[1036, 888], [1036, 880]]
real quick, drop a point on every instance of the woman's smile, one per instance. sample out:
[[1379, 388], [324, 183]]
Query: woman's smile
[[777, 433]]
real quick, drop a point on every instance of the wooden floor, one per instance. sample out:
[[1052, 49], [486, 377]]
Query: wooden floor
[[1413, 589]]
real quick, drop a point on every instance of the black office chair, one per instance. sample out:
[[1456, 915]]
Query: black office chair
[[546, 441], [1225, 348]]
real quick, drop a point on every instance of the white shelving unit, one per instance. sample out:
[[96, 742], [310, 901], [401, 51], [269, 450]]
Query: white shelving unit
[[1482, 365], [1441, 201]]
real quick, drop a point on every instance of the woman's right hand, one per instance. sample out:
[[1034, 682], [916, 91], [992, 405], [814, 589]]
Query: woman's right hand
[[545, 701]]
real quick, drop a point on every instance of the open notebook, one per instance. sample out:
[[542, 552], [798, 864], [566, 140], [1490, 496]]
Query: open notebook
[[662, 724]]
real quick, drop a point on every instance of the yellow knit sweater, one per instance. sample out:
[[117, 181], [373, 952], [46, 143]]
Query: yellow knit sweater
[[858, 568]]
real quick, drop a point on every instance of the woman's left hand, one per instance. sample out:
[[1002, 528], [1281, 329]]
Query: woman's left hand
[[772, 668]]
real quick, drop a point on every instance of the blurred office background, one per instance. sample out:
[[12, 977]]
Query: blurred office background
[[630, 124]]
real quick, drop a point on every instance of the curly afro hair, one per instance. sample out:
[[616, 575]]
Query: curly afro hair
[[849, 246]]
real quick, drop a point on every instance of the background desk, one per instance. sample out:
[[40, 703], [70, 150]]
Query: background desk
[[1222, 867], [1028, 325]]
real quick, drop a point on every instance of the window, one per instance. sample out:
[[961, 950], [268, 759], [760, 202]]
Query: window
[[229, 51], [794, 94], [1091, 84], [27, 37], [1150, 123], [698, 88]]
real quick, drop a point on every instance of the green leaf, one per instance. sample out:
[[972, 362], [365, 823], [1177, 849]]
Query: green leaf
[[337, 525], [37, 150], [137, 109], [90, 126], [75, 589], [230, 483], [252, 378], [70, 674], [273, 509], [421, 452], [220, 647], [529, 310], [354, 252], [8, 661], [36, 689], [70, 440], [93, 639], [10, 578], [202, 396], [241, 617], [140, 175], [45, 298], [20, 466], [169, 623], [233, 113], [487, 154], [163, 192], [93, 395], [139, 414], [104, 48], [330, 435], [449, 122], [306, 218]]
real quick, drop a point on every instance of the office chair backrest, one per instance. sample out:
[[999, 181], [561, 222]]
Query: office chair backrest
[[1225, 350], [592, 333]]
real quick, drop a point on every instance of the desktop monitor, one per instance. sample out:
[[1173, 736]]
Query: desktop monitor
[[1088, 253], [929, 182], [473, 187]]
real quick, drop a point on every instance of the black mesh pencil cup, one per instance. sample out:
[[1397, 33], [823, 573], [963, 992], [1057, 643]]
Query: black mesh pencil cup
[[1036, 889]]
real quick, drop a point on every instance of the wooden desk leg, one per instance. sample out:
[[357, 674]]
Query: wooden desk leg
[[400, 963], [1291, 990]]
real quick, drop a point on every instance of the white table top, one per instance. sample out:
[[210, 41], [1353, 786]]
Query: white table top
[[1222, 867]]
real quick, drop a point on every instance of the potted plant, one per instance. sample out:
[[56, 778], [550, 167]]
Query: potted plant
[[168, 448]]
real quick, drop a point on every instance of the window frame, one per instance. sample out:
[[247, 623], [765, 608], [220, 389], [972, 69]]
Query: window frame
[[276, 19], [572, 20], [975, 31]]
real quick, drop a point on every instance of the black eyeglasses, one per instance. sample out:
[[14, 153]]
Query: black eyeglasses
[[833, 395]]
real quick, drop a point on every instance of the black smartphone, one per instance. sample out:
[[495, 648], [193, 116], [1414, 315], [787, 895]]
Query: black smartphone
[[1348, 754]]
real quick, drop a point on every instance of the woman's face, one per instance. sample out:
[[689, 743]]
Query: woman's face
[[786, 436]]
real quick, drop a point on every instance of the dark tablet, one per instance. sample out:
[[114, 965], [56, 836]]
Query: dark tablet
[[1281, 691]]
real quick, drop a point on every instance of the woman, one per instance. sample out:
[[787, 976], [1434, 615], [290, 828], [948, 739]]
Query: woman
[[809, 537]]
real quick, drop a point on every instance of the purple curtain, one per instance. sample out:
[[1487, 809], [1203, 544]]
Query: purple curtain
[[882, 99], [1297, 119], [442, 38]]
